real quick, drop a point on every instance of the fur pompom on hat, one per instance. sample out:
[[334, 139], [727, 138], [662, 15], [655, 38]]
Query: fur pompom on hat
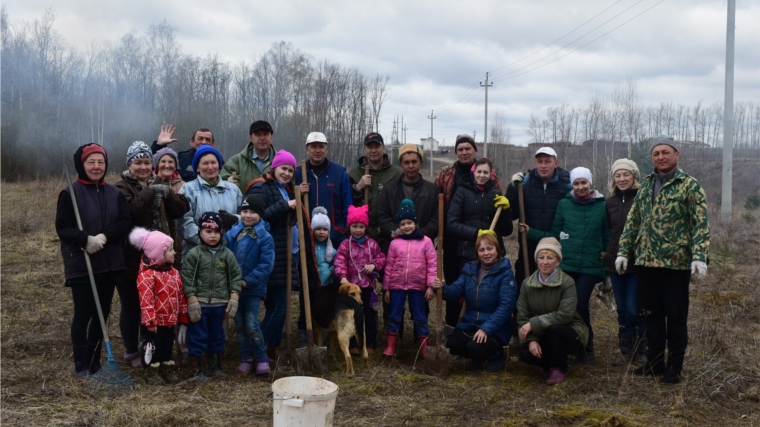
[[152, 243], [358, 215], [551, 244], [406, 211], [138, 150], [319, 219], [581, 172]]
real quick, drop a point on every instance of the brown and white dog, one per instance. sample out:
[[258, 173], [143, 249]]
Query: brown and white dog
[[338, 311]]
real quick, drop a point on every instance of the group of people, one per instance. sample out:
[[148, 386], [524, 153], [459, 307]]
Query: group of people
[[189, 240]]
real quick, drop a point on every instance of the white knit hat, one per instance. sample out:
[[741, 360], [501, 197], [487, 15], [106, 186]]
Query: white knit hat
[[580, 172], [549, 243], [319, 219], [626, 164]]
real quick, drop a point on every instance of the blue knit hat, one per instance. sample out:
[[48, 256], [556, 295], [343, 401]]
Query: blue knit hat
[[406, 211], [202, 151]]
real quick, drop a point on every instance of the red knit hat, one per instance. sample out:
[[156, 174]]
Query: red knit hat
[[358, 215], [152, 243]]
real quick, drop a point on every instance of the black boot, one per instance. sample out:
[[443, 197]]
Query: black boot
[[626, 349], [215, 365], [93, 356], [195, 369], [80, 360], [672, 375]]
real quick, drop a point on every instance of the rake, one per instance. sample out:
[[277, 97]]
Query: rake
[[110, 380]]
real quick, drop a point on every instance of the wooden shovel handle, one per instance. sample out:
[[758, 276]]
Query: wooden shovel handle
[[304, 178], [523, 236], [439, 255], [304, 270], [495, 219], [366, 189], [288, 280]]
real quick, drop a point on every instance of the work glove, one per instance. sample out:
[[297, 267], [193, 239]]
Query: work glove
[[700, 268], [161, 189], [621, 264], [484, 232], [193, 309], [228, 219], [93, 244], [500, 201], [182, 335], [518, 178], [234, 179], [101, 238], [232, 305]]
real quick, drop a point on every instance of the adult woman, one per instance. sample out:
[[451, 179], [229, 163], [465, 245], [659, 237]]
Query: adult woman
[[151, 201], [623, 189], [549, 325], [165, 163], [580, 224], [105, 217], [207, 193], [490, 293], [472, 208]]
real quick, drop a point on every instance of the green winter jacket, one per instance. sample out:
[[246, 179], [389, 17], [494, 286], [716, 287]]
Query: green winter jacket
[[243, 164], [386, 173], [210, 276], [671, 232], [548, 304], [582, 230]]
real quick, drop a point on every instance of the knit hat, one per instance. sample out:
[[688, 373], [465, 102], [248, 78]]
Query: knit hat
[[580, 172], [410, 148], [138, 150], [551, 244], [462, 138], [319, 218], [626, 164], [406, 211], [253, 202], [166, 151], [82, 153], [202, 151], [211, 220], [152, 243], [283, 158], [660, 140], [358, 215]]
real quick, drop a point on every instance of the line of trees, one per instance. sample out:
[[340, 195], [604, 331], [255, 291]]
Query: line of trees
[[55, 97]]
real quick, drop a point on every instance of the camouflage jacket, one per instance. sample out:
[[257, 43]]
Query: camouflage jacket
[[671, 232]]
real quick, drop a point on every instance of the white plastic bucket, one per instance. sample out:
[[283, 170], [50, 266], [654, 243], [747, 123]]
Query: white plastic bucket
[[303, 401]]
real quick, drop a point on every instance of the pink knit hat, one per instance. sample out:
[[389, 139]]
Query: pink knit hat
[[283, 158], [152, 243], [358, 215]]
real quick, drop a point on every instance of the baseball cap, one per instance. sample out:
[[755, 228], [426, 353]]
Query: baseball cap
[[546, 150], [373, 137], [260, 124], [316, 137]]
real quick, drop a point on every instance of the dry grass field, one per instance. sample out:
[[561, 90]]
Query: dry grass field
[[721, 385]]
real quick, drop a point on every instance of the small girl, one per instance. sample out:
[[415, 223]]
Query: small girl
[[162, 301], [358, 261], [323, 246], [411, 273]]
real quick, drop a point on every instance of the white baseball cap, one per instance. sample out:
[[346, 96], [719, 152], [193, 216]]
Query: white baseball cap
[[546, 150], [316, 137]]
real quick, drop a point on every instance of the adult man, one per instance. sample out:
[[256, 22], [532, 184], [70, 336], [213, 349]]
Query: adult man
[[381, 171], [668, 233], [200, 137], [543, 188], [450, 178], [255, 159], [327, 185]]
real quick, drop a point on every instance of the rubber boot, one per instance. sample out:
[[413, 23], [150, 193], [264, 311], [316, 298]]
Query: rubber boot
[[93, 356], [390, 348], [300, 339], [640, 350], [80, 360], [625, 342], [424, 341], [195, 370], [262, 367]]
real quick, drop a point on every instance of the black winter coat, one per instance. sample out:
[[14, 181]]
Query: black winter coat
[[471, 210], [618, 206], [425, 198]]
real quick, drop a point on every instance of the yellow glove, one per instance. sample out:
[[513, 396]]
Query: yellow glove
[[484, 232], [500, 201]]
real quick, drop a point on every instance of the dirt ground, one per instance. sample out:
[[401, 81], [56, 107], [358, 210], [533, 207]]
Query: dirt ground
[[721, 384]]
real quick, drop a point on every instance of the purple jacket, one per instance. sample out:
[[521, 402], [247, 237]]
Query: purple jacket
[[411, 265], [351, 258]]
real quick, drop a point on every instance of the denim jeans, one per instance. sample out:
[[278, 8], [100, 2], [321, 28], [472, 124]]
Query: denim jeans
[[626, 288], [276, 304], [250, 337]]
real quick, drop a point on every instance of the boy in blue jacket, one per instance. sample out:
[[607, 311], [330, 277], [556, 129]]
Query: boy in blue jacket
[[253, 246]]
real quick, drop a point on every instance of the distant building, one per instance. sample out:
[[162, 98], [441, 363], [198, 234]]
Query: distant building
[[429, 144]]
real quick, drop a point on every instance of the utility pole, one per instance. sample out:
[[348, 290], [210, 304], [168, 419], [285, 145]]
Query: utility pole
[[431, 117], [401, 130], [728, 116], [485, 127]]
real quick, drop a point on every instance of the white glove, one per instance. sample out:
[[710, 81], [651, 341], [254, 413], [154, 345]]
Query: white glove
[[101, 238], [700, 268], [518, 178], [182, 334], [233, 179], [93, 245], [621, 264]]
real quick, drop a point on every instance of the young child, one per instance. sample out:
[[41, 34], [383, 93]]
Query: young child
[[254, 249], [358, 261], [410, 273], [212, 279], [323, 247], [162, 301]]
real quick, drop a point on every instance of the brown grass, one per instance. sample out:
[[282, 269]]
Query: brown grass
[[721, 386]]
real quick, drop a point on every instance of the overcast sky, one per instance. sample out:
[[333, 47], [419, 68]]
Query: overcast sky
[[436, 51]]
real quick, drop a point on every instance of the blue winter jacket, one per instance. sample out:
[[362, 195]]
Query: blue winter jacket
[[489, 305], [326, 269], [332, 190], [205, 198], [255, 256]]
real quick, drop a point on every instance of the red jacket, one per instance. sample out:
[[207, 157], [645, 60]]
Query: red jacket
[[162, 299]]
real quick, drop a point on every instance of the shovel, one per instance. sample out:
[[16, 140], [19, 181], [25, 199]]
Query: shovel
[[311, 360], [366, 189], [523, 236], [304, 178], [285, 351], [437, 357]]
